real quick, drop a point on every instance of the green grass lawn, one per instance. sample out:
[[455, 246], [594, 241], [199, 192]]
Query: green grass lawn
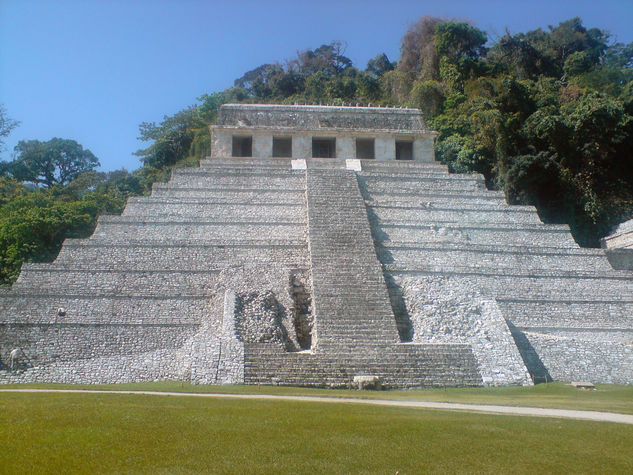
[[609, 398], [97, 433]]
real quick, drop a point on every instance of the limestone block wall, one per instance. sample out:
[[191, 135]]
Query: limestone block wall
[[45, 344], [301, 146], [583, 359], [345, 146], [221, 143], [384, 148], [262, 145], [423, 149]]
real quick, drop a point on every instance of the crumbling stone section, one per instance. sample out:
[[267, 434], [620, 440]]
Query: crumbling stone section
[[302, 311], [259, 318]]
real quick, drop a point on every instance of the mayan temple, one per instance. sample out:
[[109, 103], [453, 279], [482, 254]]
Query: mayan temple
[[314, 245]]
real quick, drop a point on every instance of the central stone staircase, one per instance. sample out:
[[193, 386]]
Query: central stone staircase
[[355, 331]]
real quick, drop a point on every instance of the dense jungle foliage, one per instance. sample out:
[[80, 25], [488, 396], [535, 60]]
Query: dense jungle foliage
[[546, 116]]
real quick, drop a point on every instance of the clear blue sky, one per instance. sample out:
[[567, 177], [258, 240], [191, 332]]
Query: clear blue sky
[[93, 70]]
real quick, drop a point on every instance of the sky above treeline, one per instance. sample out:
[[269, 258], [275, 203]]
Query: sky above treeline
[[93, 70]]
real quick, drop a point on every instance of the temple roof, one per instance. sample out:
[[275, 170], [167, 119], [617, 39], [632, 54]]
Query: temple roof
[[254, 116]]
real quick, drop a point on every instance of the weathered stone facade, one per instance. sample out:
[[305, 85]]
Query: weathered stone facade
[[281, 268]]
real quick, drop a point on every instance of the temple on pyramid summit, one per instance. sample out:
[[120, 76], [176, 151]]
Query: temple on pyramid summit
[[321, 246]]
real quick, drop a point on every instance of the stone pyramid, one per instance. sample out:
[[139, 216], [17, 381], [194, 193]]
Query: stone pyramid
[[287, 259]]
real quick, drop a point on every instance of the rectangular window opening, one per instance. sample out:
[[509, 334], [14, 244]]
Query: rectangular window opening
[[242, 146], [282, 146], [365, 148], [323, 148], [404, 150]]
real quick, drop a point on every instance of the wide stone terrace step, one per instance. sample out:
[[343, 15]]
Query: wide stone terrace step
[[415, 184], [609, 277], [117, 228], [293, 194], [423, 196], [409, 173], [271, 199], [398, 366], [42, 278], [147, 255], [425, 215], [283, 163], [553, 236], [486, 256], [230, 181], [202, 209], [100, 309], [568, 311], [398, 165], [447, 203], [572, 285], [236, 172]]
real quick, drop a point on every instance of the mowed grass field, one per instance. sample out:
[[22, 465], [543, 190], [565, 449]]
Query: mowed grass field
[[114, 433], [606, 397]]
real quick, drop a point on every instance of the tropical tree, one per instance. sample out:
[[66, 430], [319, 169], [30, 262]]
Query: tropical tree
[[55, 162]]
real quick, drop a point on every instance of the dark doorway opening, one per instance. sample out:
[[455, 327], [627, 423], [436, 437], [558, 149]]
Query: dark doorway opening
[[404, 150], [242, 146], [365, 148], [282, 146], [323, 148]]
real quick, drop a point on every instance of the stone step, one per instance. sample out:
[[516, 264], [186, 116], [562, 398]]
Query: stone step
[[201, 209], [448, 203], [524, 286], [258, 182], [397, 365], [271, 199], [237, 173], [400, 165], [103, 309], [612, 277], [294, 194], [38, 278], [410, 174], [442, 197], [422, 215], [567, 311], [246, 162], [552, 236], [88, 254], [429, 184], [117, 228], [493, 257]]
